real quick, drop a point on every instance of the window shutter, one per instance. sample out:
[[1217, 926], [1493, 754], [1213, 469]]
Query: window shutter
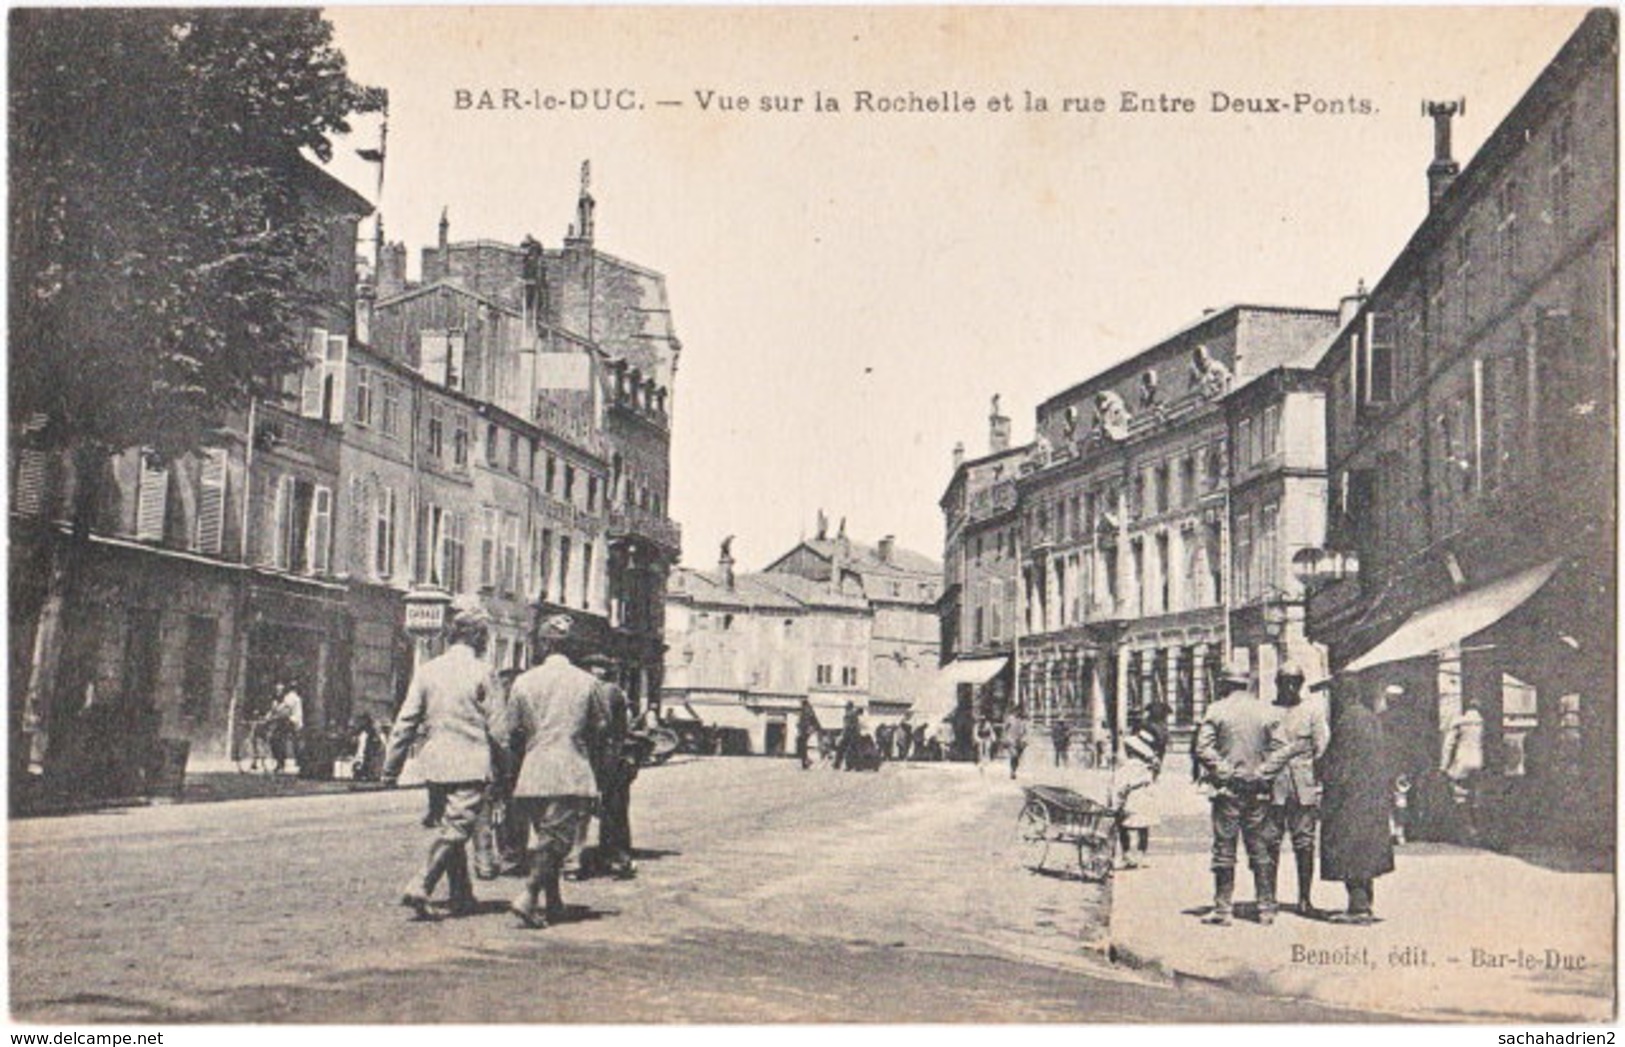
[[456, 354], [211, 512], [336, 370], [432, 355], [152, 501], [310, 398], [321, 532], [28, 494]]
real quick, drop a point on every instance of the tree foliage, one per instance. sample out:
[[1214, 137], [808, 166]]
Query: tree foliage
[[162, 238]]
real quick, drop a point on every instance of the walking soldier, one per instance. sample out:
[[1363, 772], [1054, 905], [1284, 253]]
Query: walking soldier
[[449, 704], [557, 714]]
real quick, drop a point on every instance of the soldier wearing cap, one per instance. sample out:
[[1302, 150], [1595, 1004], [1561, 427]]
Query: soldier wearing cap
[[1298, 739], [558, 716], [450, 704], [620, 767], [1231, 745]]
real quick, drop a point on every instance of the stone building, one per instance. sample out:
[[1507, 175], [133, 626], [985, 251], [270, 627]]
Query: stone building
[[1126, 538], [202, 579], [901, 588], [979, 609], [1471, 421], [500, 427], [1147, 494], [831, 620]]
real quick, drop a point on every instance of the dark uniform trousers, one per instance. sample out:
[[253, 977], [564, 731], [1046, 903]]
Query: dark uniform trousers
[[1245, 816]]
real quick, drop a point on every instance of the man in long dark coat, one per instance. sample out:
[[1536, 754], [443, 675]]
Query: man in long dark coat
[[1355, 845]]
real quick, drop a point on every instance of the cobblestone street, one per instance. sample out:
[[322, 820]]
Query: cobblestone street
[[765, 894]]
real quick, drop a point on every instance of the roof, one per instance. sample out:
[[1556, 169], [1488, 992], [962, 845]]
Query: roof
[[813, 593], [865, 559], [443, 284], [1230, 315], [759, 592], [707, 587]]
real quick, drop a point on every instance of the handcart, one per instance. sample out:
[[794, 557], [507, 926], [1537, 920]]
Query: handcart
[[1053, 815]]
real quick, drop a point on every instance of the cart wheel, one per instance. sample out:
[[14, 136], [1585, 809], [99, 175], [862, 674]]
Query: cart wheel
[[1032, 832]]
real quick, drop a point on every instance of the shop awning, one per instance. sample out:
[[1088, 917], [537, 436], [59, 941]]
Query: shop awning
[[736, 716], [1434, 628]]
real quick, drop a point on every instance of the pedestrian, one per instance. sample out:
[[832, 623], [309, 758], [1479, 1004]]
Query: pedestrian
[[619, 767], [985, 737], [449, 705], [288, 719], [1358, 781], [806, 727], [1462, 761], [1060, 736], [558, 714], [905, 739], [1231, 743], [1297, 743], [847, 747], [1015, 738], [1143, 752], [367, 750]]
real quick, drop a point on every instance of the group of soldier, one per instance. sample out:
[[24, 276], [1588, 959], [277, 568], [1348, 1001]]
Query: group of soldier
[[1285, 771], [539, 758]]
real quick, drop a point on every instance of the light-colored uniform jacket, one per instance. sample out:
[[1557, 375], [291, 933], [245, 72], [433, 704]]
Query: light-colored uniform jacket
[[1234, 738], [559, 715], [451, 703], [1298, 737]]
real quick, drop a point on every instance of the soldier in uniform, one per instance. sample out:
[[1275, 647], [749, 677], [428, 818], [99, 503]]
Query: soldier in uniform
[[620, 767], [558, 716], [449, 703], [1231, 745], [1298, 740]]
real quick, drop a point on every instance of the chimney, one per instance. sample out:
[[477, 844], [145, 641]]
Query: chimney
[[998, 428], [1349, 306], [959, 455], [725, 563], [364, 297], [392, 270], [887, 545], [1443, 170], [582, 231]]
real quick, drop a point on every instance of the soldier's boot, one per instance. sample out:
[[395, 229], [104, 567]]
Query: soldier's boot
[[550, 887], [1224, 893], [1305, 857], [542, 868], [1264, 880], [463, 902], [485, 849], [415, 895]]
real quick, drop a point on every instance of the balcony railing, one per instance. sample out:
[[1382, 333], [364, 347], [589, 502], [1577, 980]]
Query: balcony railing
[[641, 523]]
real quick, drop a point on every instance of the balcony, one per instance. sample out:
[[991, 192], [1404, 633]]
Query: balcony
[[991, 501], [632, 522]]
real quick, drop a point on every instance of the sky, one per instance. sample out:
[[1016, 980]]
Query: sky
[[852, 287]]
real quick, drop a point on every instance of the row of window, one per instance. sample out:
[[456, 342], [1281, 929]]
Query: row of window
[[824, 675], [1070, 590], [302, 541], [1168, 485], [1456, 286]]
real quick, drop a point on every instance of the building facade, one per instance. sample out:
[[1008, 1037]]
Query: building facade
[[1471, 414], [1117, 528], [830, 621], [500, 427]]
